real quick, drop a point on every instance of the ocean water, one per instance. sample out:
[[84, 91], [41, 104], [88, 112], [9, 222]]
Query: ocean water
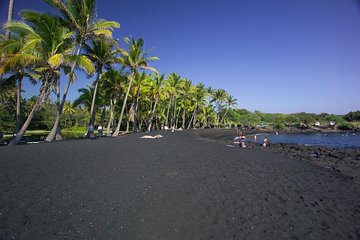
[[335, 140]]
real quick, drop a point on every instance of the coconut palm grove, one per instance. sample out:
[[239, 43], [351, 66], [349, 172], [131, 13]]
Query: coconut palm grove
[[125, 93]]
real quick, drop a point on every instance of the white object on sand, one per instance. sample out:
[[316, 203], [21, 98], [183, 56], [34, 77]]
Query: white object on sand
[[152, 137]]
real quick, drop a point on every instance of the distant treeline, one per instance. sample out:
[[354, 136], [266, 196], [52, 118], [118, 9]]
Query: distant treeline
[[278, 120], [76, 117]]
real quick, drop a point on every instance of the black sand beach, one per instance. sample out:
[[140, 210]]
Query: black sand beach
[[177, 187]]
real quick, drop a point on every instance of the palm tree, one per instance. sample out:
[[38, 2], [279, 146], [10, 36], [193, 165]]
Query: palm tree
[[139, 87], [18, 75], [156, 87], [230, 102], [85, 97], [219, 96], [172, 85], [8, 92], [8, 46], [69, 111], [207, 115], [46, 46], [186, 91], [134, 58], [199, 101], [112, 88], [78, 15], [103, 56]]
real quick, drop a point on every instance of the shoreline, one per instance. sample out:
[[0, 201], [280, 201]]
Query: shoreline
[[342, 160]]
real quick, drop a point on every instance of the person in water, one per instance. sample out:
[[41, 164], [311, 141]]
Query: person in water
[[242, 141], [266, 142]]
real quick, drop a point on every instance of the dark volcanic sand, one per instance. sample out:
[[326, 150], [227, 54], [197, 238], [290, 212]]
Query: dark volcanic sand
[[344, 161], [178, 187]]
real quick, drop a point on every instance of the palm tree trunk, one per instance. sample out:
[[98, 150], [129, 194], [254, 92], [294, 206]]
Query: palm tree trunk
[[183, 119], [127, 126], [58, 136], [18, 105], [56, 127], [117, 130], [152, 116], [151, 104], [102, 117], [192, 118], [111, 120], [55, 131], [177, 119], [141, 123], [131, 117], [168, 111], [222, 119], [44, 92], [174, 116], [136, 125], [10, 15], [92, 111]]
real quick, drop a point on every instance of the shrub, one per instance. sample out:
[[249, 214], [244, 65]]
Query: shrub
[[345, 126]]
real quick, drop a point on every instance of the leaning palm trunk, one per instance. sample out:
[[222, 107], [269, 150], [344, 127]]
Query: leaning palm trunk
[[117, 130], [134, 111], [222, 119], [56, 127], [57, 130], [192, 120], [92, 109], [152, 116], [137, 126], [111, 120], [18, 103], [44, 93], [168, 111]]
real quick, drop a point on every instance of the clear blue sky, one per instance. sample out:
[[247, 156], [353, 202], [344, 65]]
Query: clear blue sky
[[272, 55]]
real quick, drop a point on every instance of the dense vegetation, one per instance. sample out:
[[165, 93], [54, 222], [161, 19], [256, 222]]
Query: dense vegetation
[[76, 116], [126, 93]]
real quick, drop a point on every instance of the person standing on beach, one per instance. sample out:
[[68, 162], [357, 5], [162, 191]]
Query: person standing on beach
[[255, 138], [100, 130], [91, 131], [238, 133]]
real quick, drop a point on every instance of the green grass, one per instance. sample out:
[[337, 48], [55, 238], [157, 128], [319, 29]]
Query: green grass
[[39, 133], [29, 133]]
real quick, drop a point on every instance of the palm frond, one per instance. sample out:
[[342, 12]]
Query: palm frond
[[104, 24], [56, 60], [85, 63], [19, 27], [64, 11], [149, 59], [104, 32]]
